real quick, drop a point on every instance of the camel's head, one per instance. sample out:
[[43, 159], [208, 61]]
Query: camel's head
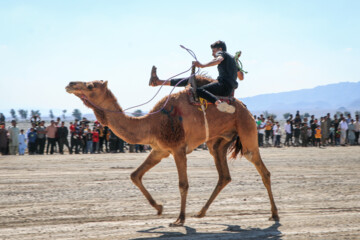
[[87, 89]]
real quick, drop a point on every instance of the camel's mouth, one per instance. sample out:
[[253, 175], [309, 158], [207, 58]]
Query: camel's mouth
[[72, 87]]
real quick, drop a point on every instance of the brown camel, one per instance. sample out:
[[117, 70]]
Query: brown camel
[[178, 129]]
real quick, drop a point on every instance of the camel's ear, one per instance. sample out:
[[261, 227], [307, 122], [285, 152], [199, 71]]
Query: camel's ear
[[105, 83]]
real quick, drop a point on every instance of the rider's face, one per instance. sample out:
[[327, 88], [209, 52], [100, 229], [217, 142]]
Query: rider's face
[[215, 50]]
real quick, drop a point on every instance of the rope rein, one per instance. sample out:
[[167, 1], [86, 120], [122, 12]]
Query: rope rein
[[86, 99]]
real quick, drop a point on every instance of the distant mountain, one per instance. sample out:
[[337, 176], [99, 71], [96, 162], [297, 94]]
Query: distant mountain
[[321, 99]]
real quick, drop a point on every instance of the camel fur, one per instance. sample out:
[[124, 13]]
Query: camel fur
[[177, 130]]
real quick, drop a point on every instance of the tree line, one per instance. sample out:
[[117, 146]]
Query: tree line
[[25, 114]]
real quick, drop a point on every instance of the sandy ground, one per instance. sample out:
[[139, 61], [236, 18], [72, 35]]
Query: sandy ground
[[317, 192]]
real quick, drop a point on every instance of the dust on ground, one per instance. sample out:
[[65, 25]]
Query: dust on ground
[[92, 197]]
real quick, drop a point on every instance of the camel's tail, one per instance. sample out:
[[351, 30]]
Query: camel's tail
[[236, 148]]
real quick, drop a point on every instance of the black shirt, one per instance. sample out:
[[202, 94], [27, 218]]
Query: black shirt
[[227, 70]]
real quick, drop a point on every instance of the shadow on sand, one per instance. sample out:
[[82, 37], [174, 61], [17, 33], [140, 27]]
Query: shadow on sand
[[230, 232]]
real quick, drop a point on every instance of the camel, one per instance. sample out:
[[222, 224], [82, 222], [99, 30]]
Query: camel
[[177, 130]]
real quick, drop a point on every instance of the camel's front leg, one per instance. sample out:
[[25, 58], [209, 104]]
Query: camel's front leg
[[218, 150], [181, 165], [153, 159]]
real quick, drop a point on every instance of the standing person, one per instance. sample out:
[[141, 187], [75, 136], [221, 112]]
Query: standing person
[[357, 129], [41, 137], [226, 81], [288, 133], [106, 138], [3, 139], [324, 131], [337, 137], [95, 136], [313, 126], [318, 136], [277, 134], [51, 133], [89, 140], [297, 135], [332, 134], [268, 129], [343, 128], [63, 133], [261, 131], [13, 138], [32, 136], [304, 136], [22, 142], [351, 132], [102, 136]]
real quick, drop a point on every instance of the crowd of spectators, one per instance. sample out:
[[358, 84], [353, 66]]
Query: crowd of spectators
[[81, 137], [301, 131]]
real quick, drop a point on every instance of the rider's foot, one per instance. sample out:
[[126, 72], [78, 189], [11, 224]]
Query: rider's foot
[[225, 107], [153, 78]]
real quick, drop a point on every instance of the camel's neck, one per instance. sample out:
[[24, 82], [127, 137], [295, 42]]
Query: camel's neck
[[131, 129]]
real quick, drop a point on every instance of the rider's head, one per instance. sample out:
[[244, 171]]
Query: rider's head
[[218, 46]]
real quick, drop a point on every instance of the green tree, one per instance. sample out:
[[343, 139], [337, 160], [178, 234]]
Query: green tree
[[357, 113], [137, 113], [338, 113], [286, 115], [64, 112], [307, 115], [346, 113], [23, 113], [76, 114], [13, 114], [35, 113], [51, 114]]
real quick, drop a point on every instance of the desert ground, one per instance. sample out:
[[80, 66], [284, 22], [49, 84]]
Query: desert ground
[[317, 192]]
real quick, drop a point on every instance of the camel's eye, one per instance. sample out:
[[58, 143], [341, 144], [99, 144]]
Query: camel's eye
[[90, 86]]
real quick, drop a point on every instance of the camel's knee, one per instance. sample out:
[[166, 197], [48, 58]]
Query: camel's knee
[[249, 156], [224, 181], [183, 186], [135, 178]]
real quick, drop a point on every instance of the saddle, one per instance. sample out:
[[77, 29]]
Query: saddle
[[194, 100]]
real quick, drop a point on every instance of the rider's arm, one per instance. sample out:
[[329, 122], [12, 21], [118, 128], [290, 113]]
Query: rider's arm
[[214, 62]]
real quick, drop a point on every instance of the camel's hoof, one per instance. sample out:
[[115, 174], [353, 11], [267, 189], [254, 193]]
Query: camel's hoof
[[199, 215], [159, 208], [274, 218], [176, 224]]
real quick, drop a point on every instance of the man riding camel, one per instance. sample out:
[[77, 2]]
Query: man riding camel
[[226, 81]]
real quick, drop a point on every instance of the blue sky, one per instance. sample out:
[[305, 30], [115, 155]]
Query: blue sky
[[286, 45]]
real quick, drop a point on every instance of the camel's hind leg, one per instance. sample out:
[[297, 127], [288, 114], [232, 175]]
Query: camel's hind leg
[[218, 149], [153, 159], [255, 158]]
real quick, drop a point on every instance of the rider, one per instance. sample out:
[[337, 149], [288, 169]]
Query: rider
[[226, 84]]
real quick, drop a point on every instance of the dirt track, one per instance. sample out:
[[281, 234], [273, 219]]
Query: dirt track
[[316, 190]]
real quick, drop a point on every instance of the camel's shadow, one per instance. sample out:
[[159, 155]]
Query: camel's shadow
[[230, 232]]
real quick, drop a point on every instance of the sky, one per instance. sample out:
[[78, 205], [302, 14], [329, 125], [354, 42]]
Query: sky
[[286, 45]]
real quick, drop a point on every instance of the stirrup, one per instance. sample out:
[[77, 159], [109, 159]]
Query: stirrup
[[153, 77]]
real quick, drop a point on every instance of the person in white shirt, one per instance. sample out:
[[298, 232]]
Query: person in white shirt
[[277, 134], [343, 127], [261, 132], [288, 138]]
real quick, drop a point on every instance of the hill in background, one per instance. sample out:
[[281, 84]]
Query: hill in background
[[330, 98]]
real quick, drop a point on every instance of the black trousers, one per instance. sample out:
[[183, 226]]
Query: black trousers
[[40, 145], [51, 143], [208, 91], [62, 142]]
